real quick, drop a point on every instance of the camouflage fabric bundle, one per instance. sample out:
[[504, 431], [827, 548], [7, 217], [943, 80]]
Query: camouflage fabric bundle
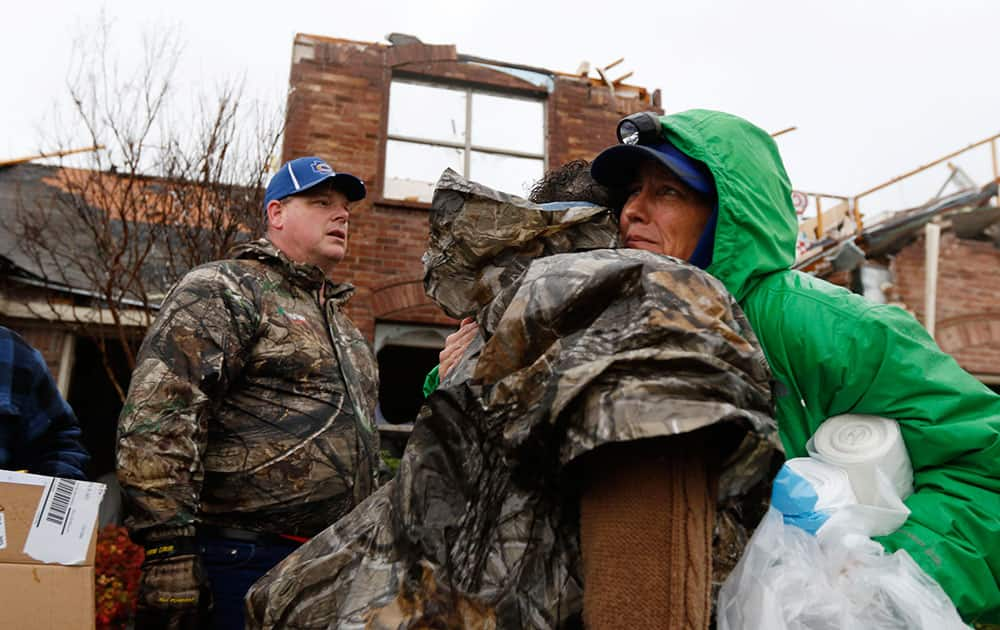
[[481, 241], [479, 529]]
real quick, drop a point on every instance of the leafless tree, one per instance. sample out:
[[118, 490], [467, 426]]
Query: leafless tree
[[170, 188]]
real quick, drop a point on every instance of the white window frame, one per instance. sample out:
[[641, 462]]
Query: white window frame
[[468, 146]]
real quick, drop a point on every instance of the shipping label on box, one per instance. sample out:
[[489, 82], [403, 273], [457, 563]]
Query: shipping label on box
[[48, 519]]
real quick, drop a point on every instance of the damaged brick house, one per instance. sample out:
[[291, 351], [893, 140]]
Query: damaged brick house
[[968, 288]]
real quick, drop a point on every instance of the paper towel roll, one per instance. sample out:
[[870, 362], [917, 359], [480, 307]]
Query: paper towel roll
[[831, 483], [865, 446]]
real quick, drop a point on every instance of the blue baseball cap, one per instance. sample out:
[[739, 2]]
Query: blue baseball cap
[[616, 166], [301, 174]]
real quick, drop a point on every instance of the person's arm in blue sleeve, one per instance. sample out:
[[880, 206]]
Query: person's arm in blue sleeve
[[40, 432], [60, 448]]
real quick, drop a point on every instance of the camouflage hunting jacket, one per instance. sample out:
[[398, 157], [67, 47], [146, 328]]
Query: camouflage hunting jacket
[[252, 402], [593, 346]]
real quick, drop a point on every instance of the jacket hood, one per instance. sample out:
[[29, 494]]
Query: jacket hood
[[757, 226]]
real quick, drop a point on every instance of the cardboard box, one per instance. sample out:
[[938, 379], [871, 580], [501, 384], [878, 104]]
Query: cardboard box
[[46, 597], [48, 539]]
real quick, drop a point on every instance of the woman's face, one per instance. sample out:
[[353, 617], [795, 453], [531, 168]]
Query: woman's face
[[662, 214]]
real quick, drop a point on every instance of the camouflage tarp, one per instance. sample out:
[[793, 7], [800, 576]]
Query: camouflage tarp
[[479, 529]]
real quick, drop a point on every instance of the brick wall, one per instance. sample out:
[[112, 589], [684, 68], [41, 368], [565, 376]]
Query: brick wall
[[338, 108], [968, 298]]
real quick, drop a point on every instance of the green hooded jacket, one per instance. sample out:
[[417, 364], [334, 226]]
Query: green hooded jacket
[[833, 352]]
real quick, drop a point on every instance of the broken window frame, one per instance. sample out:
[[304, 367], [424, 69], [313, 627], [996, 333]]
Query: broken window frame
[[467, 146]]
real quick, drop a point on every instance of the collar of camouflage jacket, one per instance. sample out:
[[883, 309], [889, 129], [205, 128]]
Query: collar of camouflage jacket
[[306, 276]]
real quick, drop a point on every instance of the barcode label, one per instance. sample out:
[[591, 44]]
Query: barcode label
[[64, 521], [3, 532], [60, 498]]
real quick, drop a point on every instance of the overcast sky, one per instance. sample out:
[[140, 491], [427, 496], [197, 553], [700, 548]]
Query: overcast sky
[[875, 88]]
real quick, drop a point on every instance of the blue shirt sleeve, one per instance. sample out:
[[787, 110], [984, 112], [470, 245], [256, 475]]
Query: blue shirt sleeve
[[38, 429]]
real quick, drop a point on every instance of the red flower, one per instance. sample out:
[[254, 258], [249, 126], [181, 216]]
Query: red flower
[[117, 568]]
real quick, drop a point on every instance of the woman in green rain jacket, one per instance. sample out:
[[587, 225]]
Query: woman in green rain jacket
[[833, 352]]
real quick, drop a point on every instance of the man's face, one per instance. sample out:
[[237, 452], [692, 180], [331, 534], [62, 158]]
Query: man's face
[[311, 227], [662, 214]]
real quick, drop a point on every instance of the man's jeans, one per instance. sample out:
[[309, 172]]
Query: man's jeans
[[232, 567]]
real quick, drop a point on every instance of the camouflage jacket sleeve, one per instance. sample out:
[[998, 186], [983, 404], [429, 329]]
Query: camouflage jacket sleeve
[[194, 351]]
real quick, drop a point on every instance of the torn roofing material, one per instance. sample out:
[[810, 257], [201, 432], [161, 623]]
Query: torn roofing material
[[968, 212]]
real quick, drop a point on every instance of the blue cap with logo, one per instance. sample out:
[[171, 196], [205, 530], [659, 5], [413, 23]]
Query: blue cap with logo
[[301, 174]]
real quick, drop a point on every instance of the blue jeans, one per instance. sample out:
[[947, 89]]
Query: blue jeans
[[232, 567]]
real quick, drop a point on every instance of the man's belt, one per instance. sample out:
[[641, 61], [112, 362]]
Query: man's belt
[[243, 535]]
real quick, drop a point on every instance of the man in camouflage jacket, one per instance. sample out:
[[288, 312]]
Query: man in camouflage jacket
[[249, 419]]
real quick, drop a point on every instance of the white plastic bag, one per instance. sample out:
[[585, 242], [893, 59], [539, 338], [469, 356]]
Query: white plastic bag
[[811, 564], [789, 579]]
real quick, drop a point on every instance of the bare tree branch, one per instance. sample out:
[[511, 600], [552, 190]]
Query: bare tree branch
[[169, 191]]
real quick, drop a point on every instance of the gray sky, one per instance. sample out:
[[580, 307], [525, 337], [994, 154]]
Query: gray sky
[[875, 88]]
